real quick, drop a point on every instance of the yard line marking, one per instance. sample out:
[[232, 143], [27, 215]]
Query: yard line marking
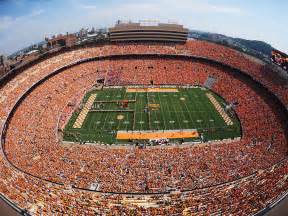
[[181, 111], [172, 105], [188, 111], [164, 120], [148, 113], [135, 108], [106, 116], [164, 110]]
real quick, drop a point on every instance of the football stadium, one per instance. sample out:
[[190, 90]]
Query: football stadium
[[148, 122]]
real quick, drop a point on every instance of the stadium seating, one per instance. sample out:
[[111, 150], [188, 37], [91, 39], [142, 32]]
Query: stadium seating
[[238, 178]]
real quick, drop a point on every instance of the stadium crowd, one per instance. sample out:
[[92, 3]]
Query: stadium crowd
[[229, 178]]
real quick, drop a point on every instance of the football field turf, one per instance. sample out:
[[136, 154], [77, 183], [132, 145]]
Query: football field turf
[[119, 109]]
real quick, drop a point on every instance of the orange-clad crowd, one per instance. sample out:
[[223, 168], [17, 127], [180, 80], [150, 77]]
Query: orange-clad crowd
[[239, 177]]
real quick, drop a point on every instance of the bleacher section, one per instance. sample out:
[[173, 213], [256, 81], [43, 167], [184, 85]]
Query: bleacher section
[[230, 178]]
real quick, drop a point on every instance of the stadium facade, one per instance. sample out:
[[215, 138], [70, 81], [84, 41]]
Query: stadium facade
[[140, 32]]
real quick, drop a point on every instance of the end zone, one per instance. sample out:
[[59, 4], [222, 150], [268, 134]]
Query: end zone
[[147, 134], [152, 90]]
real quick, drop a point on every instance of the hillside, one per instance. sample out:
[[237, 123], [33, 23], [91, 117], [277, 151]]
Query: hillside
[[256, 48]]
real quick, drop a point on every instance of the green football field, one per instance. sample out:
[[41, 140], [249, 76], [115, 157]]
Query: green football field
[[189, 108]]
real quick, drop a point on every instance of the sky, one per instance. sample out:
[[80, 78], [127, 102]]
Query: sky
[[25, 22]]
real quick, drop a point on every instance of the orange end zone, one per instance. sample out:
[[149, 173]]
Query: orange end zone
[[152, 90], [173, 134]]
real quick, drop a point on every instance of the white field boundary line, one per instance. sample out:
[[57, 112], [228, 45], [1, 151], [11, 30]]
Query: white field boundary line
[[81, 117], [219, 109]]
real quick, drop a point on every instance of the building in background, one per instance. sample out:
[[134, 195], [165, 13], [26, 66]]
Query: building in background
[[148, 31], [67, 40], [4, 65]]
